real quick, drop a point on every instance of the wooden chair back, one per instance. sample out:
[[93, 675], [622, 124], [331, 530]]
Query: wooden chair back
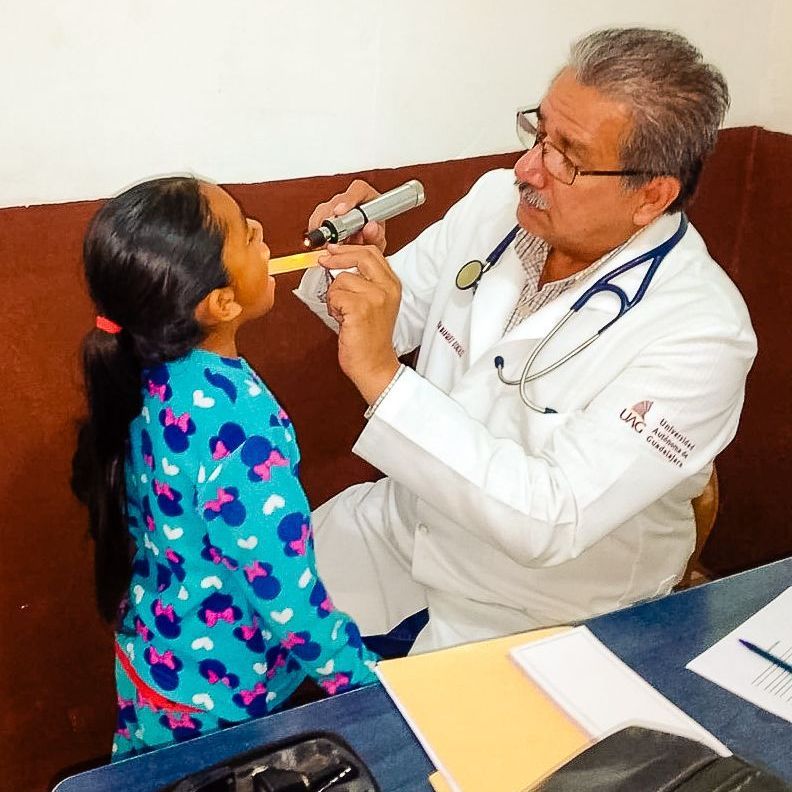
[[705, 510]]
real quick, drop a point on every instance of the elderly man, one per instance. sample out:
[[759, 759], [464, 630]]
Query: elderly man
[[538, 470]]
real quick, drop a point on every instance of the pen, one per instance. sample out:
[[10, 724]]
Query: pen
[[776, 661]]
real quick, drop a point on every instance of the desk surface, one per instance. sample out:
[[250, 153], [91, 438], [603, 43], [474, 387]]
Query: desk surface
[[657, 639]]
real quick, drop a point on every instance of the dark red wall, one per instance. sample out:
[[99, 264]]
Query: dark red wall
[[56, 658]]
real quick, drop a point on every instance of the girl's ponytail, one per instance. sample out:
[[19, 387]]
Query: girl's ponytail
[[151, 255], [112, 384]]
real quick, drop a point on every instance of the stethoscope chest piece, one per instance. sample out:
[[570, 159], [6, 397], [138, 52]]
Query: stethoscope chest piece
[[469, 274]]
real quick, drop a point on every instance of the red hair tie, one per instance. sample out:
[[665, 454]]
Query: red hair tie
[[103, 323]]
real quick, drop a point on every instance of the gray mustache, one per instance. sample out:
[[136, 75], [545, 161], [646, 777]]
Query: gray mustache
[[530, 196]]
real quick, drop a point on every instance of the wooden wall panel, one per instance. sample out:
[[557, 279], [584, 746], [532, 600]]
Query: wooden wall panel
[[744, 212]]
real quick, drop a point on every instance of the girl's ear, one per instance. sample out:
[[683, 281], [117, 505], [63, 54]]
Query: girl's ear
[[218, 307]]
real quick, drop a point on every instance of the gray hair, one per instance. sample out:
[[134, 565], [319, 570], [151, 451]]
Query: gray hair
[[677, 100]]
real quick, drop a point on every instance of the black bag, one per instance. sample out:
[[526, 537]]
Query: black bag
[[315, 762], [636, 759]]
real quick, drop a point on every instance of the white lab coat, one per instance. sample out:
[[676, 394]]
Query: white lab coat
[[503, 519]]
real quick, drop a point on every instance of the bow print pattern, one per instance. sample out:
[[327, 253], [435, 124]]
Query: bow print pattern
[[214, 554], [177, 429], [253, 700], [214, 671], [227, 440], [168, 498], [260, 456], [227, 506], [219, 608], [166, 621], [338, 683], [295, 531], [214, 589], [262, 581]]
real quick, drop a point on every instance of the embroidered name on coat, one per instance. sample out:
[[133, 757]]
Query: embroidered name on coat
[[448, 336]]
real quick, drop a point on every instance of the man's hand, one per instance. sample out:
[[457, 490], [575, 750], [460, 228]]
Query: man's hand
[[365, 305], [358, 192]]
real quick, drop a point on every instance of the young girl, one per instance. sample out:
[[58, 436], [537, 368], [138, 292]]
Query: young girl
[[188, 465]]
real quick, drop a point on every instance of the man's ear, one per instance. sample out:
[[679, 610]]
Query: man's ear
[[654, 198], [218, 307]]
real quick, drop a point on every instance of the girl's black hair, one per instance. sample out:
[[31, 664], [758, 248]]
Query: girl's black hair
[[151, 255]]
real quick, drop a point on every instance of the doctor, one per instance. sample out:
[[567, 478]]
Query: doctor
[[507, 507]]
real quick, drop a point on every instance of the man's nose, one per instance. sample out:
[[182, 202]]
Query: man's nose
[[529, 167]]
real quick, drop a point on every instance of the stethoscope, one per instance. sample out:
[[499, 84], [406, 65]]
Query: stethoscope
[[471, 273]]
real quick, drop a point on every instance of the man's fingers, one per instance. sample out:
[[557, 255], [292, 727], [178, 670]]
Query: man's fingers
[[345, 303], [368, 259], [373, 234], [361, 191], [358, 192], [325, 210], [350, 281]]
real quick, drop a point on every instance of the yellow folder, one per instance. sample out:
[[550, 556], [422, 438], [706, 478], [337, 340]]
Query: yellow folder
[[486, 726]]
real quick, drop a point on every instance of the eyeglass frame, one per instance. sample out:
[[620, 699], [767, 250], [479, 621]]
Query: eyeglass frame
[[522, 113]]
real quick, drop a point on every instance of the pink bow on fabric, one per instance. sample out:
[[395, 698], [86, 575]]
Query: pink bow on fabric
[[182, 421], [165, 659], [171, 556], [157, 390], [149, 461], [292, 640], [249, 696], [326, 605], [150, 524], [333, 685], [166, 611], [142, 630], [220, 450], [222, 498], [212, 617], [163, 489], [218, 558], [275, 459], [184, 721], [248, 631], [279, 662], [214, 679], [144, 701], [254, 571], [298, 545]]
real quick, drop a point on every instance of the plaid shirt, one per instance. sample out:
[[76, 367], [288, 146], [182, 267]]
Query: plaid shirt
[[532, 253]]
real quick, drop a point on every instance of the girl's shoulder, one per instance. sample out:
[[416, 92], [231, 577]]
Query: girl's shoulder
[[218, 399], [202, 380]]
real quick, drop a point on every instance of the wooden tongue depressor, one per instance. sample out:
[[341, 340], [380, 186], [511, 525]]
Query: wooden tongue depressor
[[298, 261]]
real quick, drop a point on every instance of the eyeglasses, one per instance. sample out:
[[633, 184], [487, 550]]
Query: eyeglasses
[[557, 164]]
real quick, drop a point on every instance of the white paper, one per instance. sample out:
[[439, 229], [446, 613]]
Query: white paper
[[599, 691], [729, 664]]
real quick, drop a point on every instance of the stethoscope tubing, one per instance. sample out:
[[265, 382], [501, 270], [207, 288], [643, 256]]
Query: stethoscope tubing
[[603, 284]]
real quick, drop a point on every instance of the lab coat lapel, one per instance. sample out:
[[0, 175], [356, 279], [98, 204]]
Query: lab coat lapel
[[493, 302]]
